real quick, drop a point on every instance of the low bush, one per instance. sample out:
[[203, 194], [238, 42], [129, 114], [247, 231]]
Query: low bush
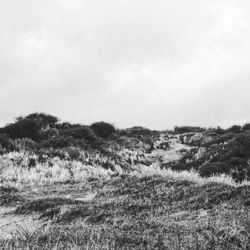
[[49, 133], [6, 143], [220, 131], [188, 129], [80, 133], [139, 131], [58, 142], [25, 128], [103, 129], [74, 153], [234, 129], [63, 126], [44, 121], [246, 126], [238, 169], [214, 168]]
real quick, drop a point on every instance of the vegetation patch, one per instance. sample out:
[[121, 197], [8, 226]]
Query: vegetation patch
[[98, 187], [9, 196], [158, 214], [42, 205]]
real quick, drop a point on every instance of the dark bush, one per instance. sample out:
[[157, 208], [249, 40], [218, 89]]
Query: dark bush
[[58, 142], [65, 141], [237, 168], [80, 133], [57, 153], [188, 129], [241, 173], [63, 126], [103, 129], [237, 161], [246, 126], [139, 130], [220, 131], [29, 129], [234, 129], [74, 153], [25, 128], [214, 168], [240, 146], [50, 133], [43, 120], [220, 139], [6, 143]]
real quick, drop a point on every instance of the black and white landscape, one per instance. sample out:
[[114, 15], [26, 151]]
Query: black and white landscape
[[124, 124]]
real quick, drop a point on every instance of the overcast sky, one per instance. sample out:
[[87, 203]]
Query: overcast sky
[[154, 63]]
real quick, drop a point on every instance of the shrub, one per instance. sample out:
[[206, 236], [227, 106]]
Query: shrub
[[82, 137], [240, 146], [139, 130], [103, 129], [220, 131], [25, 144], [80, 133], [246, 126], [188, 129], [50, 133], [241, 173], [43, 120], [6, 143], [57, 153], [214, 168], [236, 167], [74, 153], [25, 128], [58, 142], [237, 161], [63, 126], [234, 129]]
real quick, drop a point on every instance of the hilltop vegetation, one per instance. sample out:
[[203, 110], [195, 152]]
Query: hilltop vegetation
[[41, 138], [100, 187]]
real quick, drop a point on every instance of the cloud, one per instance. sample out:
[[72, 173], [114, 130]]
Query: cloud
[[151, 63]]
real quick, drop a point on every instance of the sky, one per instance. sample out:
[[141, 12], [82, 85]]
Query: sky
[[151, 63]]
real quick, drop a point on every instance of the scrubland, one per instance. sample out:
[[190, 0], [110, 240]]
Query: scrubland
[[65, 186]]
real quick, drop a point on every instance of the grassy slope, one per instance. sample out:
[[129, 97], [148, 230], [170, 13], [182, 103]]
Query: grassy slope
[[129, 211], [133, 212]]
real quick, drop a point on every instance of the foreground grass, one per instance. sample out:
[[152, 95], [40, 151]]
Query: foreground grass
[[141, 212]]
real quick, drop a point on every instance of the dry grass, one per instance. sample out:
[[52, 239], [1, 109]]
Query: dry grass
[[192, 176], [16, 172], [61, 171]]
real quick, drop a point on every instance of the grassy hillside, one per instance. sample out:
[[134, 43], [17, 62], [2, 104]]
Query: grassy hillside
[[134, 212], [72, 186]]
